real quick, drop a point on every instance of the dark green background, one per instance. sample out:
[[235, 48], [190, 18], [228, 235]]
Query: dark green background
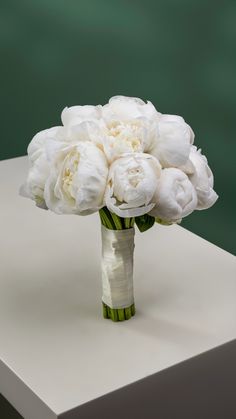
[[180, 54]]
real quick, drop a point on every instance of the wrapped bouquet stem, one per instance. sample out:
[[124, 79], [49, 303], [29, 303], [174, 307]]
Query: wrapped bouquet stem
[[117, 266], [131, 164]]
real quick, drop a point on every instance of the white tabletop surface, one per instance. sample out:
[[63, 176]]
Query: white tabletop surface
[[56, 350]]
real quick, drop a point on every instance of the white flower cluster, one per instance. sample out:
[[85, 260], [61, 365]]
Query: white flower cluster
[[124, 155]]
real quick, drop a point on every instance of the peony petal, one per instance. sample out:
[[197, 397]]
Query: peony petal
[[175, 196], [124, 108], [132, 183], [77, 114], [129, 212], [202, 179], [173, 141], [40, 140], [77, 182], [206, 198]]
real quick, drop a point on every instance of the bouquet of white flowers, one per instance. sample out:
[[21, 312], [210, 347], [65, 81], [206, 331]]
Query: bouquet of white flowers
[[129, 162]]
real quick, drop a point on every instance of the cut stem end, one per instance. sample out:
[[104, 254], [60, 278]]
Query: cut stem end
[[118, 314]]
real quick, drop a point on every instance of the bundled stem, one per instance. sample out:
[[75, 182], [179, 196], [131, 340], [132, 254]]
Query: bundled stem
[[113, 221], [118, 314]]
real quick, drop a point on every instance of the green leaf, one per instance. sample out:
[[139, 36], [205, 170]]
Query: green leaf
[[163, 222], [144, 222]]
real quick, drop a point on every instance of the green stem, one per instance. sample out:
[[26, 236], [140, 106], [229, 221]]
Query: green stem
[[117, 221], [113, 221], [106, 218], [118, 314], [127, 222]]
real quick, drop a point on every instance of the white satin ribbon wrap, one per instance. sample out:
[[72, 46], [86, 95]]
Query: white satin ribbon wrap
[[117, 267]]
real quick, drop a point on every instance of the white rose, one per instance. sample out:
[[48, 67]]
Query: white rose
[[132, 182], [175, 196], [202, 179], [173, 141], [77, 180], [127, 126], [39, 167]]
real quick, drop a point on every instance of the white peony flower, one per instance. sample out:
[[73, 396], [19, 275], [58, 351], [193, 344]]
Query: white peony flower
[[127, 126], [77, 180], [39, 142], [175, 196], [76, 114], [69, 165], [202, 179], [124, 137], [43, 151], [39, 167], [83, 123], [124, 108], [173, 141], [132, 182]]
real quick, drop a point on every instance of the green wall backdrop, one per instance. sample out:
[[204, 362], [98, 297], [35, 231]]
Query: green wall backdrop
[[180, 54]]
